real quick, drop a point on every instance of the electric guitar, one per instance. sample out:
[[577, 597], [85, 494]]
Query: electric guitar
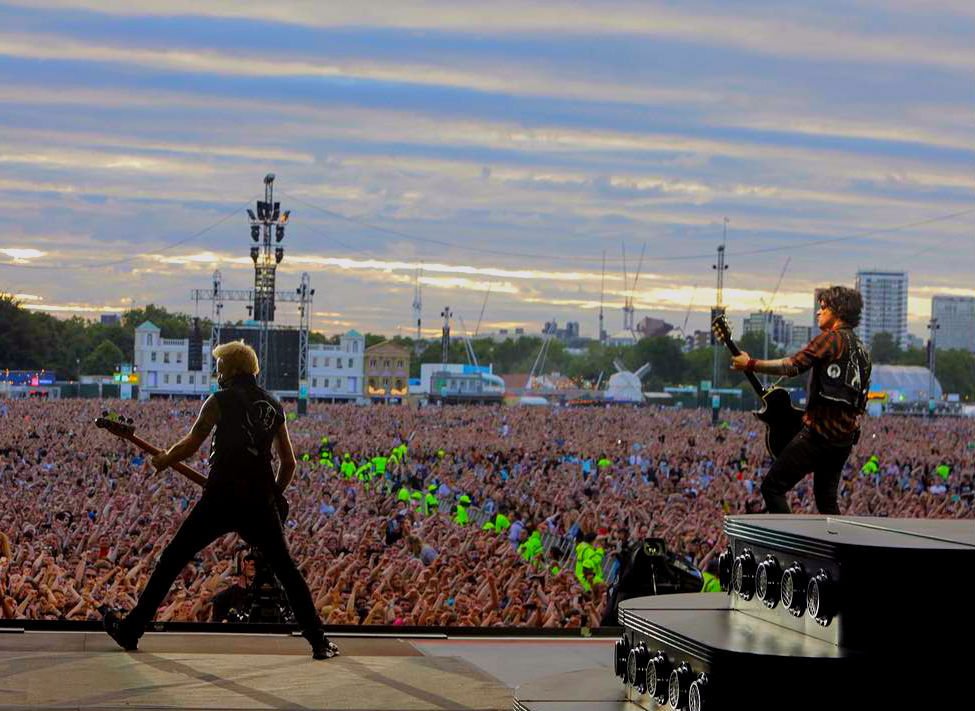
[[124, 428], [781, 418]]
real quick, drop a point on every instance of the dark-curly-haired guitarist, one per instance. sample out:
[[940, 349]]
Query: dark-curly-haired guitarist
[[240, 494], [837, 398]]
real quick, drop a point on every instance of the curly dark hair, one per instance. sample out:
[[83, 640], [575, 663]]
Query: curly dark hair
[[846, 303]]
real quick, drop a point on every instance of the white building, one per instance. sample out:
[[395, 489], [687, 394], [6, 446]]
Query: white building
[[335, 371], [163, 364], [956, 322], [884, 305]]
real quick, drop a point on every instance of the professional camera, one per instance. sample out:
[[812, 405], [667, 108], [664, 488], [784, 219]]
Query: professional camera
[[648, 568], [264, 600]]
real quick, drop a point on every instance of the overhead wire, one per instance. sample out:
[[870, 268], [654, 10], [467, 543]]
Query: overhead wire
[[132, 258], [685, 257]]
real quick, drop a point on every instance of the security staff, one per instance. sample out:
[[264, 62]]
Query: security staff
[[461, 518], [348, 466]]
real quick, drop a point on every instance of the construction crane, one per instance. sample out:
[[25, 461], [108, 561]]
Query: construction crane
[[483, 306], [468, 346], [768, 311], [602, 291], [687, 314], [628, 300], [417, 305], [539, 363]]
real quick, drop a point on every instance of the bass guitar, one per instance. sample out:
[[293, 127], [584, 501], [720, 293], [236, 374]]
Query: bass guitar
[[781, 418], [124, 428]]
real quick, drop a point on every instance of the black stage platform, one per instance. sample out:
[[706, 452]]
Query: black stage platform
[[876, 614]]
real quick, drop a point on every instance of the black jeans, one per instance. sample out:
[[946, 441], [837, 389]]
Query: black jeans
[[807, 452], [257, 522]]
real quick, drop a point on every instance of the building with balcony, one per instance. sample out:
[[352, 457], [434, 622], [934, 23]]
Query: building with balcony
[[956, 322], [386, 371], [163, 364], [335, 371], [884, 306]]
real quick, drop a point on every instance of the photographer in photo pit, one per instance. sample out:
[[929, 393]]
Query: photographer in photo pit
[[257, 597], [231, 605]]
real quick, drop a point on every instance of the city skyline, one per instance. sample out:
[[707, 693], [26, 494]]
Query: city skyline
[[504, 148]]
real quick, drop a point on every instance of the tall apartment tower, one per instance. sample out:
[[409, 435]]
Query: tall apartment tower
[[884, 305], [956, 321]]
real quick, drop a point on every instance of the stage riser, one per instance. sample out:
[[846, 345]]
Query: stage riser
[[883, 595]]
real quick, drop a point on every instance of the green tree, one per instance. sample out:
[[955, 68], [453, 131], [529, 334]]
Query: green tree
[[955, 370], [913, 356], [374, 338], [666, 359], [103, 360], [884, 349]]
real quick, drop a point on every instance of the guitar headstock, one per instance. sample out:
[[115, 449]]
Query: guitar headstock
[[115, 423], [721, 329]]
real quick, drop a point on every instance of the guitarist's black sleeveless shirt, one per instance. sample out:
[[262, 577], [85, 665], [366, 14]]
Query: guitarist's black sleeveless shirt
[[240, 451]]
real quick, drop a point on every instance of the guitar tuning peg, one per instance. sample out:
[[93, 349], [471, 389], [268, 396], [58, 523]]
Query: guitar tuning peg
[[131, 421], [104, 413]]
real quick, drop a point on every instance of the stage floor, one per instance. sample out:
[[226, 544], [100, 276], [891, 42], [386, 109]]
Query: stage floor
[[86, 671]]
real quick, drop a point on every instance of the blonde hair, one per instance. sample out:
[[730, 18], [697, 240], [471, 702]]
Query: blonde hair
[[238, 358]]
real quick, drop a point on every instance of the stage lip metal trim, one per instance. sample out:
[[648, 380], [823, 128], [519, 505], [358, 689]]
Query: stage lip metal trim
[[662, 634], [837, 521], [851, 534], [757, 535]]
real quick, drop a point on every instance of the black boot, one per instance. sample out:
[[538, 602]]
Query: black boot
[[115, 625], [321, 646]]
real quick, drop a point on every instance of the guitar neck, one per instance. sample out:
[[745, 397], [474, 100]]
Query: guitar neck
[[752, 379], [190, 473]]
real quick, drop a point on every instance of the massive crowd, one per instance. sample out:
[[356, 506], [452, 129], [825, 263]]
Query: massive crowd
[[84, 515]]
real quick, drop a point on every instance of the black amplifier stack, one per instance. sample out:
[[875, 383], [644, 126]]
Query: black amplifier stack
[[820, 612]]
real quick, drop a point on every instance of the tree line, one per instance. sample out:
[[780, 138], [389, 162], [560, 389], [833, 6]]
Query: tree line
[[30, 340]]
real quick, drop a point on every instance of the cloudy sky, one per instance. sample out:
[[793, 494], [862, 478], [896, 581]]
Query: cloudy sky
[[503, 145]]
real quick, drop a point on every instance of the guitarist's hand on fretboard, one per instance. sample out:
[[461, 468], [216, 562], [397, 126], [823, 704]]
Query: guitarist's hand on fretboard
[[740, 361]]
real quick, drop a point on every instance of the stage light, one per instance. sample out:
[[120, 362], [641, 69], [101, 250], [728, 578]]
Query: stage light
[[255, 232], [794, 589], [658, 677], [276, 213], [622, 653], [680, 684], [279, 233], [254, 252], [697, 697], [743, 575], [636, 666], [261, 210], [278, 255], [250, 214], [725, 561], [820, 597], [768, 577]]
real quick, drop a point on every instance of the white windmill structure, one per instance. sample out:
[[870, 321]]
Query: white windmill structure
[[626, 386]]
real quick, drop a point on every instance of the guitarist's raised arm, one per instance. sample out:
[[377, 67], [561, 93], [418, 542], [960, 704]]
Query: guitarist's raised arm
[[779, 366], [825, 347], [187, 446]]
